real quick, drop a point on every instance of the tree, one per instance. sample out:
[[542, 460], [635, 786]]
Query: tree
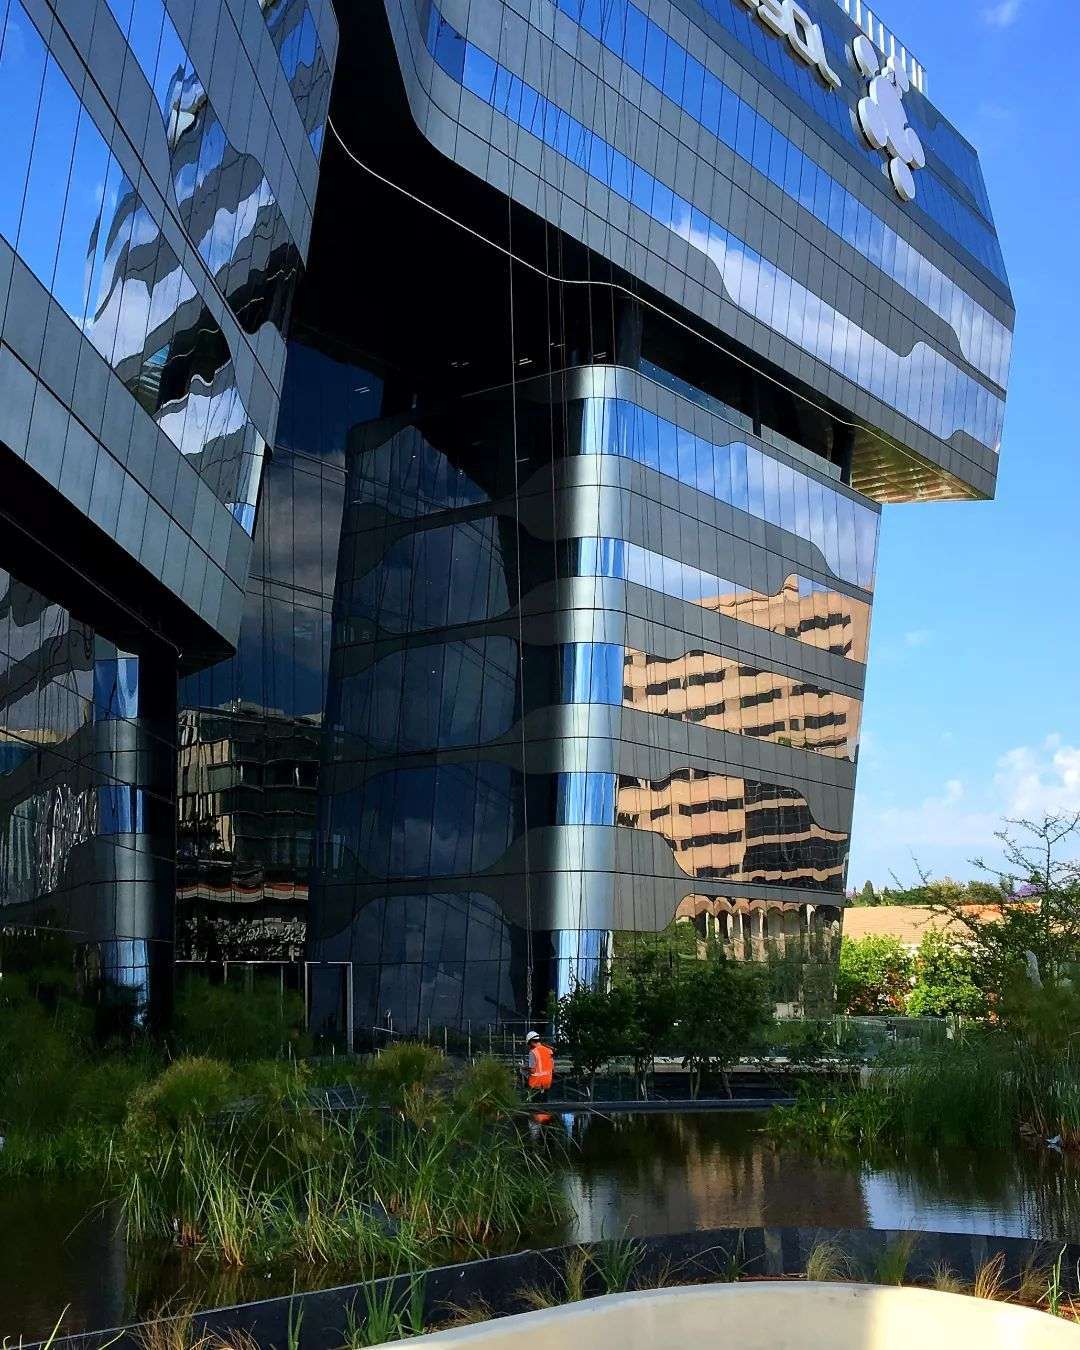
[[651, 979], [874, 976], [944, 978], [931, 892], [1044, 919], [595, 1025], [867, 896], [723, 1007]]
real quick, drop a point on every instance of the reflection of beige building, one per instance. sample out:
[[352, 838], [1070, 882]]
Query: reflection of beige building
[[909, 924], [752, 929], [737, 829], [805, 610], [715, 691]]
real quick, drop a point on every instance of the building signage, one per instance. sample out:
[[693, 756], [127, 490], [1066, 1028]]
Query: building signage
[[883, 118], [881, 114], [791, 21]]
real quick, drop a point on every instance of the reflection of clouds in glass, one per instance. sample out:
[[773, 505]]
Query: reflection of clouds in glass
[[842, 529], [984, 341], [924, 386]]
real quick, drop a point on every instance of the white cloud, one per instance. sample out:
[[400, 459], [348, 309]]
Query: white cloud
[[1042, 780], [1001, 15], [958, 822], [917, 637]]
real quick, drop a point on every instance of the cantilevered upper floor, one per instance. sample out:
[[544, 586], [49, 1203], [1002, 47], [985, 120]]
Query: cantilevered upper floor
[[760, 169]]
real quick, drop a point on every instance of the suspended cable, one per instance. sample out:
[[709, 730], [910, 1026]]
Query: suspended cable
[[624, 290]]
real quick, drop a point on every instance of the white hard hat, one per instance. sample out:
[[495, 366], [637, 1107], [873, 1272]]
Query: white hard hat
[[533, 1036]]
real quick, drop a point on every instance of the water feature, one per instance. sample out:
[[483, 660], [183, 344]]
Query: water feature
[[624, 1174]]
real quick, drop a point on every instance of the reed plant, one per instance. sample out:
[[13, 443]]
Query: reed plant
[[370, 1192], [894, 1259], [990, 1279], [828, 1261], [945, 1280], [617, 1263], [982, 1092]]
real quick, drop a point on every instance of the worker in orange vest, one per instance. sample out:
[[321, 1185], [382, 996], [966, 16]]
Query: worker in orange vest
[[541, 1068]]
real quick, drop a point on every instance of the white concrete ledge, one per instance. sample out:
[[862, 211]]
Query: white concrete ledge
[[763, 1315]]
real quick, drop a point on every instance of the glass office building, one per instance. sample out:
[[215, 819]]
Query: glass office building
[[539, 507], [156, 197]]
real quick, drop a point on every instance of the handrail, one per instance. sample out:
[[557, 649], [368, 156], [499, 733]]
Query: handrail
[[885, 40]]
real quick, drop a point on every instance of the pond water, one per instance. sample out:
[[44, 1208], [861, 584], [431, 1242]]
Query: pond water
[[626, 1174]]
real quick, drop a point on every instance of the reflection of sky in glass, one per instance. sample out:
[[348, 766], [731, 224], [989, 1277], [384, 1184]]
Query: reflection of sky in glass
[[592, 672], [625, 30], [79, 225], [297, 41], [585, 798], [937, 199], [842, 529], [922, 385], [197, 142]]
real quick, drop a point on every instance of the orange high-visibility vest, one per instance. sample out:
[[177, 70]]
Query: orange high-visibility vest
[[541, 1066]]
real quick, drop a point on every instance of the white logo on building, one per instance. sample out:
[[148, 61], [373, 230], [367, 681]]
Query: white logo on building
[[791, 21], [883, 118]]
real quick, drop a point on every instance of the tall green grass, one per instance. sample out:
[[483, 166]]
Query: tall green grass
[[982, 1093], [372, 1192]]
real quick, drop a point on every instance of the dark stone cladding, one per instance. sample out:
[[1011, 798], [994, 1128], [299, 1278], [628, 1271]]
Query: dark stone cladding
[[700, 1257]]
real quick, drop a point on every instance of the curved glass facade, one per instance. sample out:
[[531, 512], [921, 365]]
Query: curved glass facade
[[643, 45], [387, 704], [545, 626], [73, 216], [147, 269], [449, 575], [226, 204], [461, 819], [492, 725], [86, 799], [303, 60], [921, 383], [842, 529], [735, 828]]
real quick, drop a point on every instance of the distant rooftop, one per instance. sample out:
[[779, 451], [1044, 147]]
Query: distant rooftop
[[885, 41]]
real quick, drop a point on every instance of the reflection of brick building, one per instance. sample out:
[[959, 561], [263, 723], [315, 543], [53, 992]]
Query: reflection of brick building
[[737, 829], [805, 610], [909, 924], [756, 929], [728, 695]]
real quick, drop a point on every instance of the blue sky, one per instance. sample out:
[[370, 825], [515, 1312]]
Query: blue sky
[[973, 694]]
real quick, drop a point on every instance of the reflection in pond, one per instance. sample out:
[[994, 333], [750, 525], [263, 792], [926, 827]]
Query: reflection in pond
[[624, 1174], [670, 1173]]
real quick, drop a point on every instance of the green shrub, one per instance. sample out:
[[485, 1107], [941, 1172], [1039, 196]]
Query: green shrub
[[487, 1088], [39, 1057], [226, 1022], [944, 979], [191, 1089], [402, 1068], [874, 976], [74, 1151], [103, 1091]]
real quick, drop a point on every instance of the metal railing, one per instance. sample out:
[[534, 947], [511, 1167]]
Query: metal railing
[[885, 40]]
